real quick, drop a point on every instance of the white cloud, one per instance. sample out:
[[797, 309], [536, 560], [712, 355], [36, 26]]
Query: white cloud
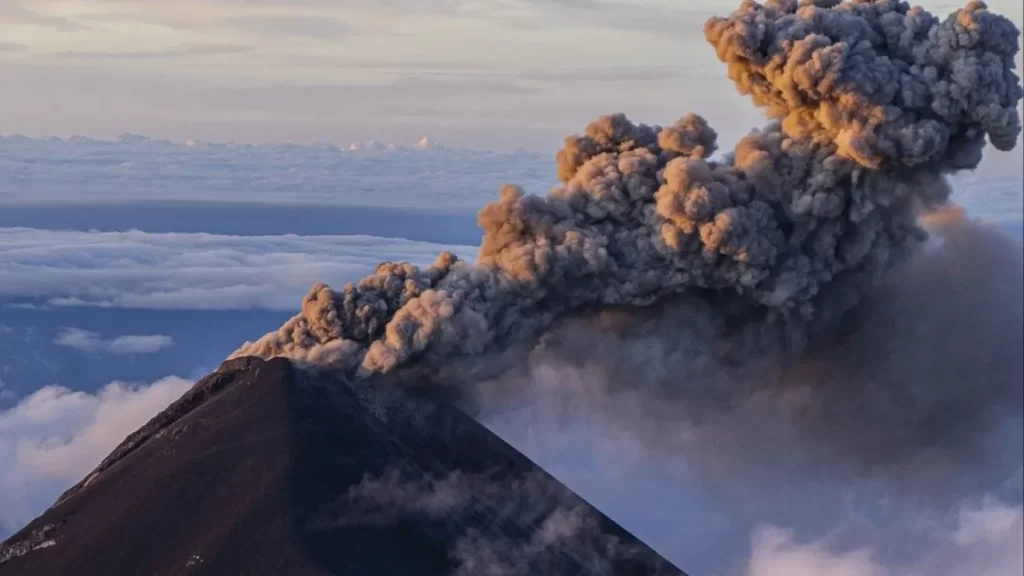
[[776, 554], [189, 271], [987, 538], [86, 341], [54, 437]]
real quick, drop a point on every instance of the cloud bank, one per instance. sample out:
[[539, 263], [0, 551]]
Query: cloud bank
[[184, 271], [55, 436], [138, 168], [135, 168], [91, 342]]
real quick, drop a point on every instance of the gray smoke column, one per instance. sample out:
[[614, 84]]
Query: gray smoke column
[[872, 104]]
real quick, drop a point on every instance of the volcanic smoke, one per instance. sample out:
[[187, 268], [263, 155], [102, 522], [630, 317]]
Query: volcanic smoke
[[781, 322], [871, 105]]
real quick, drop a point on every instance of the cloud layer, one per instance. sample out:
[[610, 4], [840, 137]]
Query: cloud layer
[[55, 436], [186, 271], [138, 168], [91, 342]]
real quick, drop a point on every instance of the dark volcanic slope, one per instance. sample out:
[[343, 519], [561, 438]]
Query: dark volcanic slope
[[263, 468]]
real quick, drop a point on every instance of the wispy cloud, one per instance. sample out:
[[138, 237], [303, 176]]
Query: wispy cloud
[[91, 342], [12, 47], [183, 52], [208, 16], [24, 13], [669, 19], [296, 26]]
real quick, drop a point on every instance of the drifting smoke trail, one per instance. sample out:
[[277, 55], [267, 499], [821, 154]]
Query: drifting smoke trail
[[872, 104]]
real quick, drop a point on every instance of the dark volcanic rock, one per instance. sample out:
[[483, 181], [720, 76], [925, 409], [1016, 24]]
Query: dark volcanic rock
[[265, 468]]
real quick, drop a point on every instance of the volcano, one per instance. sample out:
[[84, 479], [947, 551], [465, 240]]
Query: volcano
[[266, 467]]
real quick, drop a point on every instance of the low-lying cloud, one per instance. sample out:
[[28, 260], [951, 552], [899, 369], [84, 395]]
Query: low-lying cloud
[[55, 436], [186, 271], [559, 531], [986, 538], [132, 167], [91, 342]]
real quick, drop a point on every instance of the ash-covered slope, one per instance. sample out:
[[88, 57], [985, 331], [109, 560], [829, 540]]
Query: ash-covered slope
[[264, 468]]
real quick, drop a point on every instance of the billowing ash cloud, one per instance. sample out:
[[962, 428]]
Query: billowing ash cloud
[[863, 452], [871, 104]]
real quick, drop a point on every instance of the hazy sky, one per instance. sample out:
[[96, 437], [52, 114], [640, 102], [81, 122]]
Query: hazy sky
[[495, 74]]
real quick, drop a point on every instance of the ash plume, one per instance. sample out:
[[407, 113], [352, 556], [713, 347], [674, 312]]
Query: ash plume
[[921, 377], [871, 105], [889, 425]]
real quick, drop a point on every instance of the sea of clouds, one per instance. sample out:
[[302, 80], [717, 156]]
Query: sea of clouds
[[133, 167], [134, 269]]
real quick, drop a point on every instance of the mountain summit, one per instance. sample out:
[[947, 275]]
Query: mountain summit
[[267, 468]]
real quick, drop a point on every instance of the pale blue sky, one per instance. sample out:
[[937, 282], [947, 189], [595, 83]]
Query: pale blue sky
[[495, 74]]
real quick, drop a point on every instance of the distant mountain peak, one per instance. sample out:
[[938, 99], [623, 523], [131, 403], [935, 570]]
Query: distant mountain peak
[[425, 143], [371, 146], [131, 137]]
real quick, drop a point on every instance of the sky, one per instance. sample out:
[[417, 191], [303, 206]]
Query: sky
[[130, 266], [493, 74]]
